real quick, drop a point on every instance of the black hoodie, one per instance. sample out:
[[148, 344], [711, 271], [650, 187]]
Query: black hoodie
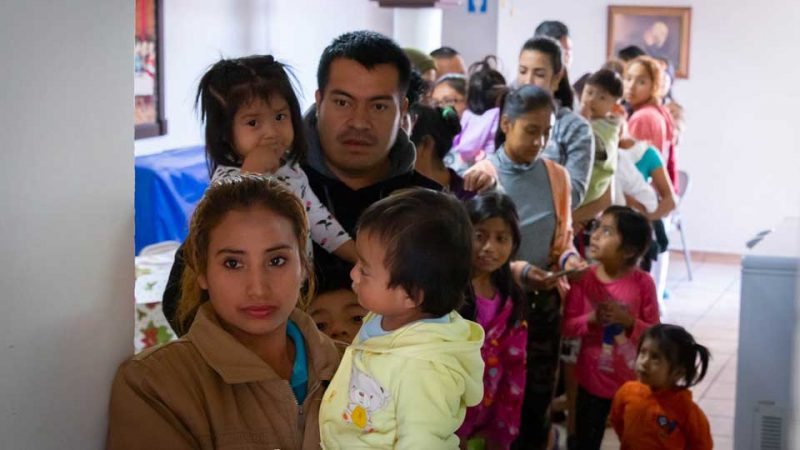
[[345, 204]]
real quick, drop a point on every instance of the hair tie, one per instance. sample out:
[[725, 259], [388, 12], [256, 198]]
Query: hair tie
[[448, 111]]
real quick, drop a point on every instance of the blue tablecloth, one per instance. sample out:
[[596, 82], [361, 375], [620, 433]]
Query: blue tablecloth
[[168, 187]]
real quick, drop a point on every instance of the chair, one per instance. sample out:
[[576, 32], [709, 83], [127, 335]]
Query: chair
[[677, 219]]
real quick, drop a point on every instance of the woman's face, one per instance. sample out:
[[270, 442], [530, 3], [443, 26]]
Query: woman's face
[[254, 272], [444, 95], [526, 136], [638, 85], [536, 68]]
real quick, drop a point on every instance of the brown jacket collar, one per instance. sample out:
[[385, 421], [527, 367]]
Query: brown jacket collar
[[235, 363]]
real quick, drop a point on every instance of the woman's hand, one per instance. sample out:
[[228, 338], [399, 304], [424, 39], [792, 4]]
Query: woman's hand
[[539, 280], [480, 177]]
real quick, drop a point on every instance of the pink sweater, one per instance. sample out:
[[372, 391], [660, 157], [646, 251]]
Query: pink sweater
[[655, 125], [637, 291], [497, 417]]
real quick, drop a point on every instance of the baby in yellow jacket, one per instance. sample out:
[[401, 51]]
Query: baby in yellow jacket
[[415, 366]]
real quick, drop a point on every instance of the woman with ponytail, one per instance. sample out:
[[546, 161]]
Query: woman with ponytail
[[657, 411], [572, 141]]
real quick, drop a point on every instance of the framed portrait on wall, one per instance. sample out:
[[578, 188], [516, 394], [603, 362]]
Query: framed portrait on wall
[[148, 77], [662, 32]]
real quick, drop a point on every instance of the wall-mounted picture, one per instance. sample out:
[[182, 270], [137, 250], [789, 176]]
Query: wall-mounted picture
[[148, 85], [662, 32]]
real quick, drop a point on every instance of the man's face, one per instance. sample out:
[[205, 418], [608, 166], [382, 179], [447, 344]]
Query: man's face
[[454, 64], [359, 115]]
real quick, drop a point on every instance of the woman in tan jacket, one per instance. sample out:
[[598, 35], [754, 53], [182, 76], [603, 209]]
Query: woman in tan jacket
[[251, 370]]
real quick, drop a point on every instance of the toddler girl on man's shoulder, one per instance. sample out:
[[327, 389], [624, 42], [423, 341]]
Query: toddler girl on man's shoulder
[[609, 308], [657, 411], [415, 366], [253, 123]]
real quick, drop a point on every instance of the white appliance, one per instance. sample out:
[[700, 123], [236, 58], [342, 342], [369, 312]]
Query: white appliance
[[767, 383]]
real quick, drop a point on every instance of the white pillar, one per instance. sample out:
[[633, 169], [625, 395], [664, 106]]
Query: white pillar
[[419, 28]]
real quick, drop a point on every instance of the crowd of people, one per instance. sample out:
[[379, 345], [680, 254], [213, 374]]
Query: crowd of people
[[431, 257]]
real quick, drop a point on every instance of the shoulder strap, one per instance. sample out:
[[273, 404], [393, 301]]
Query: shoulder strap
[[560, 188]]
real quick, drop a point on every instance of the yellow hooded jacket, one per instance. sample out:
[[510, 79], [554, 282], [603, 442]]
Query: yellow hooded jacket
[[408, 389]]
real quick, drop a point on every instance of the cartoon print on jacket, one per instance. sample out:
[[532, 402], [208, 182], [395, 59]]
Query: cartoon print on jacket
[[367, 396]]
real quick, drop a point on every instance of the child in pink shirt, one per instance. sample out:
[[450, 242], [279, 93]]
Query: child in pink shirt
[[494, 423], [608, 309]]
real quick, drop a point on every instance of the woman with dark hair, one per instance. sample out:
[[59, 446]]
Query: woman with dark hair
[[479, 121], [572, 141], [432, 133], [451, 90]]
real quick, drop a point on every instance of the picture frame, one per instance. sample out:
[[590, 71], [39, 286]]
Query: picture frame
[[148, 78], [663, 32]]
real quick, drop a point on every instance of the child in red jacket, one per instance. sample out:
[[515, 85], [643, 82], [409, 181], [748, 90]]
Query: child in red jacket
[[657, 412]]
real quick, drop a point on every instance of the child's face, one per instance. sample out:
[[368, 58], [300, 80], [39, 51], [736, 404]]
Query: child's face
[[638, 86], [254, 272], [653, 368], [444, 95], [263, 126], [337, 314], [371, 279], [526, 136], [605, 245], [493, 242], [596, 102]]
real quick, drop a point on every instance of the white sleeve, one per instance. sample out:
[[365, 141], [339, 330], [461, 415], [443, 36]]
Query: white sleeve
[[632, 183], [325, 229]]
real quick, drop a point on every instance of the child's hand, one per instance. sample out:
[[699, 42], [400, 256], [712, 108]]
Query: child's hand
[[616, 313], [575, 262], [262, 161]]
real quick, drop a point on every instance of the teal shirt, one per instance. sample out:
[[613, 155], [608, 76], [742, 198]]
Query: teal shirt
[[649, 162], [299, 380]]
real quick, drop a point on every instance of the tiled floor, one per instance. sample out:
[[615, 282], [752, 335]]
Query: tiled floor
[[708, 306]]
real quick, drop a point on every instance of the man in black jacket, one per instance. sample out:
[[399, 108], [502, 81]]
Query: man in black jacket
[[357, 152]]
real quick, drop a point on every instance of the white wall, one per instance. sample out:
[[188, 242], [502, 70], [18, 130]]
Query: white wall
[[199, 32], [66, 228], [474, 35], [742, 142]]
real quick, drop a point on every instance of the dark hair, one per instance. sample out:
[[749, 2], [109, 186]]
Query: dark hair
[[681, 351], [630, 52], [615, 65], [552, 48], [428, 239], [455, 80], [442, 125], [608, 81], [552, 28], [369, 49], [484, 86], [231, 83], [333, 279], [634, 229], [444, 52], [417, 88], [488, 206], [519, 101], [579, 84]]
